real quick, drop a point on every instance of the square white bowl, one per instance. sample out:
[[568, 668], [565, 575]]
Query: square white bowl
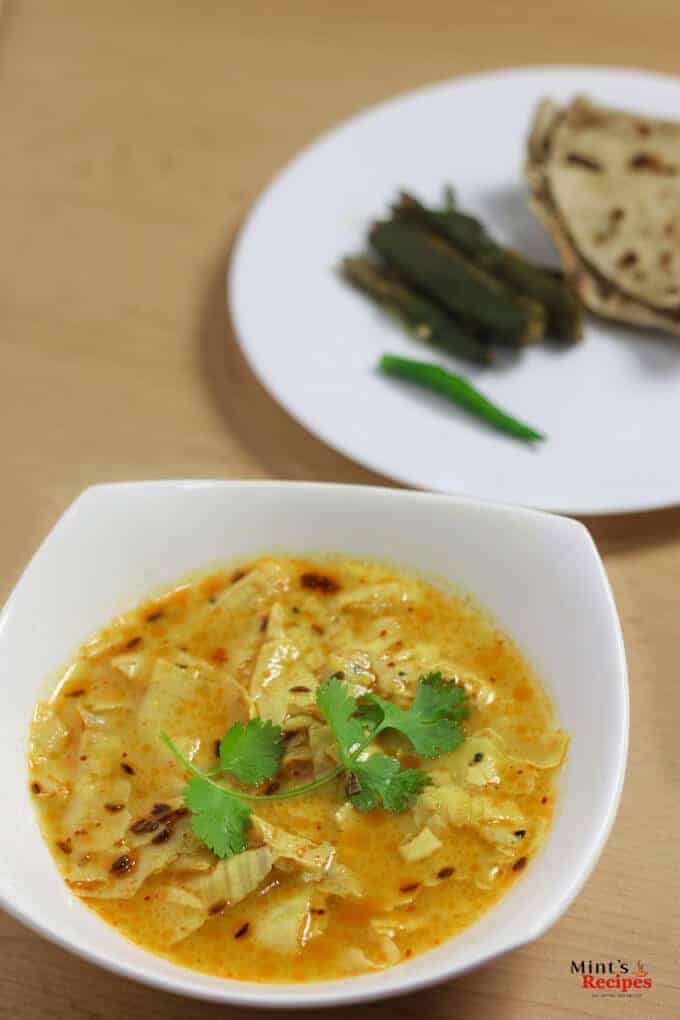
[[539, 575]]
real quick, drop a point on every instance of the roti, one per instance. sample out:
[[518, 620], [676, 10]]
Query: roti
[[606, 184]]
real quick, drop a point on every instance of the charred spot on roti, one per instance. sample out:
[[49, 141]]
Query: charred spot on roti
[[627, 259], [586, 162], [650, 162]]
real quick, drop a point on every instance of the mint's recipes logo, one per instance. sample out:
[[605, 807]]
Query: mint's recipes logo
[[612, 977]]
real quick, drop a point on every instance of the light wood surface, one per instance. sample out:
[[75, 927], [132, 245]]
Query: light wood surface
[[134, 137]]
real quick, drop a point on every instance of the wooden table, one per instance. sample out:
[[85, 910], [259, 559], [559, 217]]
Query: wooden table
[[134, 137]]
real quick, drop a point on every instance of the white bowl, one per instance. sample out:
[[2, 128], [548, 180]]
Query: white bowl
[[539, 575]]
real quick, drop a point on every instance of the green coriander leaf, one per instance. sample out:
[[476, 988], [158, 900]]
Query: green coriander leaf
[[381, 779], [252, 753], [339, 708], [218, 818], [437, 694], [370, 712], [432, 722]]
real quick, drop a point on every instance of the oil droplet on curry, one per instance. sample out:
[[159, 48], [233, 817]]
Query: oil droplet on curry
[[323, 890]]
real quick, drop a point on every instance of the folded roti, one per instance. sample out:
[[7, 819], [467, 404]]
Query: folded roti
[[606, 185]]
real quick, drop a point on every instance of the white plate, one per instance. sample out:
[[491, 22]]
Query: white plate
[[119, 542], [611, 407]]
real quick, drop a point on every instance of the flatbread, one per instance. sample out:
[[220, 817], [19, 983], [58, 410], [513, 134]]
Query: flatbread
[[606, 184]]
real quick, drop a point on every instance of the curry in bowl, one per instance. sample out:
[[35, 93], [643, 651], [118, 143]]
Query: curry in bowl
[[295, 770]]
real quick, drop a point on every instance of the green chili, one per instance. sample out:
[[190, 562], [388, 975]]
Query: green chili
[[458, 390]]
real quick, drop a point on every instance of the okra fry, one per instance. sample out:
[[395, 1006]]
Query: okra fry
[[458, 391], [420, 316], [434, 267], [565, 312]]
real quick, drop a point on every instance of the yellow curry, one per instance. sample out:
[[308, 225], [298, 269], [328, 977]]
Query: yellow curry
[[320, 889]]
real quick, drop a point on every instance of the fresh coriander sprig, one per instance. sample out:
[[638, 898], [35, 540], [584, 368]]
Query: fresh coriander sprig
[[221, 817], [375, 779], [253, 752], [431, 722]]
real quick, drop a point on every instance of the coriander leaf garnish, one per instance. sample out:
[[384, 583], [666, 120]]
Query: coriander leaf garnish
[[219, 818], [374, 780], [253, 752], [339, 709], [382, 780], [432, 723]]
